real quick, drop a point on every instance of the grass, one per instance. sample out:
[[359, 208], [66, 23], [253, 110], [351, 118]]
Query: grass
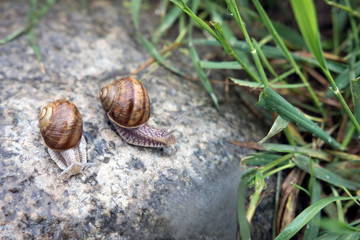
[[319, 126], [313, 97]]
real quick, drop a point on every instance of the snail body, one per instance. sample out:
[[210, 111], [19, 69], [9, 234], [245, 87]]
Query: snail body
[[127, 105], [61, 125]]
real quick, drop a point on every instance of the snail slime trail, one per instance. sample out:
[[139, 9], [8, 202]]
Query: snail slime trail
[[127, 105]]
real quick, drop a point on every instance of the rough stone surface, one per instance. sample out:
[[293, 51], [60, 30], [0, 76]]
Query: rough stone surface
[[131, 192]]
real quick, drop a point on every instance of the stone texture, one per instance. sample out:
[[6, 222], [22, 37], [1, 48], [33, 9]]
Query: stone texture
[[131, 192]]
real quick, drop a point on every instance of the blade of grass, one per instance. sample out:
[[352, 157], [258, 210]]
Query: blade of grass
[[220, 65], [260, 158], [287, 54], [277, 127], [167, 22], [306, 18], [336, 226], [260, 185], [348, 9], [196, 61], [149, 47], [355, 83], [275, 103], [323, 174], [273, 52], [241, 212], [342, 80], [235, 11], [283, 148], [264, 59], [305, 216], [224, 44], [312, 230], [244, 83]]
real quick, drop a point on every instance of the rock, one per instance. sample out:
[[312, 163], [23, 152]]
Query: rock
[[131, 192]]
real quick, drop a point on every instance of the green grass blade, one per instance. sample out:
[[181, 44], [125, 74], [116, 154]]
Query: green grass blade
[[305, 14], [180, 4], [216, 17], [342, 80], [355, 86], [312, 230], [273, 52], [220, 65], [32, 19], [277, 127], [231, 4], [323, 174], [167, 22], [290, 36], [196, 61], [135, 9], [34, 44], [336, 236], [260, 158], [305, 216], [221, 41], [44, 8], [14, 34], [306, 18], [336, 226], [284, 148], [287, 54], [202, 75], [244, 83], [275, 103], [243, 223], [348, 9], [149, 47]]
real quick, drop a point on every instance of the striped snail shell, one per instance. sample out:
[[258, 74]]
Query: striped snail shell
[[60, 125], [61, 128], [127, 104]]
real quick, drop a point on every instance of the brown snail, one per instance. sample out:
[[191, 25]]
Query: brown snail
[[61, 126], [128, 106]]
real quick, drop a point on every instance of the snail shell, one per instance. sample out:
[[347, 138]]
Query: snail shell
[[127, 105], [60, 125], [126, 102]]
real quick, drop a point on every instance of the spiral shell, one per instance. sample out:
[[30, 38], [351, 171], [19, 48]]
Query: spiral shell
[[126, 102], [60, 125]]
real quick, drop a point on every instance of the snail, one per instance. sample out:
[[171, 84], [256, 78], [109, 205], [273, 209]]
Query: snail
[[61, 126], [127, 105]]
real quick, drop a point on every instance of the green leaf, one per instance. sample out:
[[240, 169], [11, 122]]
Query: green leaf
[[305, 216], [336, 236], [167, 22], [196, 61], [355, 87], [277, 127], [275, 103], [260, 158], [220, 65], [273, 52], [336, 226], [323, 174], [342, 80], [312, 230], [188, 11], [284, 148], [243, 223], [305, 14]]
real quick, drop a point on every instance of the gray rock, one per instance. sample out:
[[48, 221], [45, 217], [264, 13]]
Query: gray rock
[[131, 192]]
